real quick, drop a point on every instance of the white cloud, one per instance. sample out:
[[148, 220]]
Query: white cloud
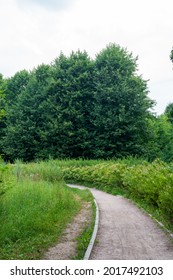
[[32, 33]]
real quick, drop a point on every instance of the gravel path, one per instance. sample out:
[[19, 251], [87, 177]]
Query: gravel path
[[127, 233]]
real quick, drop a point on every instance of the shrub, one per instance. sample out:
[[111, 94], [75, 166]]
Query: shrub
[[108, 174], [166, 199], [149, 182]]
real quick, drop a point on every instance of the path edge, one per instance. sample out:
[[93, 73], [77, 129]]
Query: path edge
[[94, 234], [96, 224]]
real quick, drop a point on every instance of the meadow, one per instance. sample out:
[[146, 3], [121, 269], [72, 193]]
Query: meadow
[[36, 204], [35, 207]]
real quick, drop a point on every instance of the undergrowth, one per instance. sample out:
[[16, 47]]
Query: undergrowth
[[148, 184], [35, 204], [35, 210]]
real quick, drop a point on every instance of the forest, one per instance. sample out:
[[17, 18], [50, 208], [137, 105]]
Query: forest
[[78, 107]]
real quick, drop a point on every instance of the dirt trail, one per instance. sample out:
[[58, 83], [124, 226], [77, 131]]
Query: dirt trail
[[127, 233], [66, 247]]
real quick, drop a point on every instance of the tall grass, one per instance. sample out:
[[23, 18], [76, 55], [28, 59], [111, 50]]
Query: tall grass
[[5, 178], [44, 170], [35, 205], [34, 211]]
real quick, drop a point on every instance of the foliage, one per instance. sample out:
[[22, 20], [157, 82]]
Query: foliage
[[162, 139], [24, 116], [78, 107], [151, 183], [121, 111], [146, 181], [169, 112], [37, 199], [2, 108], [166, 200], [2, 96], [35, 210], [5, 183], [16, 85]]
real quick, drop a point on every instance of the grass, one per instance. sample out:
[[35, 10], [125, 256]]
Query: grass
[[32, 217], [35, 210], [36, 206], [85, 237]]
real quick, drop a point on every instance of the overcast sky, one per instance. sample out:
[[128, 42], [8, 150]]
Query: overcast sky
[[36, 31]]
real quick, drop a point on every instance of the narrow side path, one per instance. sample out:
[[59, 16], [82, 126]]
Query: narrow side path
[[127, 233], [66, 247]]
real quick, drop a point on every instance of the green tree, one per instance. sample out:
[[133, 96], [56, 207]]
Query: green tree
[[164, 138], [122, 105], [51, 114], [79, 107], [169, 112], [2, 96], [21, 138], [16, 85], [73, 96], [2, 109]]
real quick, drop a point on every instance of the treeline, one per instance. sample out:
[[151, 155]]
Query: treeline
[[82, 107]]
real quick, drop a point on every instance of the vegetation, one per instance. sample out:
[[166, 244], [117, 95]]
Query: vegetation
[[82, 107], [78, 108], [84, 238], [149, 184], [35, 210], [35, 204]]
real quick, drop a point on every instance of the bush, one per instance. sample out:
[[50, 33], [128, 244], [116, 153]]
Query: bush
[[166, 199], [146, 181], [149, 182], [108, 174]]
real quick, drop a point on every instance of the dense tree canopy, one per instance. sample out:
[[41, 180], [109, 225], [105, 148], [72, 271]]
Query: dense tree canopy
[[169, 112], [122, 104], [81, 107]]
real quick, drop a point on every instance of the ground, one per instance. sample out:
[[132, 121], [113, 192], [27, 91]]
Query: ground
[[124, 233], [66, 247]]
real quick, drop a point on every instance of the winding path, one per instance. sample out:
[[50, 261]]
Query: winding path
[[127, 233]]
